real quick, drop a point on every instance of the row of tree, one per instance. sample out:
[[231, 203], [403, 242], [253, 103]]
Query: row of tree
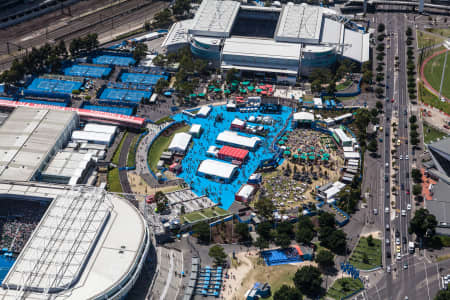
[[410, 65]]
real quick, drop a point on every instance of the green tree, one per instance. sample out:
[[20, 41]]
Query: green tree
[[409, 31], [417, 189], [261, 243], [370, 241], [287, 293], [442, 295], [362, 120], [325, 259], [423, 223], [265, 207], [163, 18], [161, 84], [242, 230], [263, 229], [381, 27], [331, 89], [181, 7], [217, 253], [231, 75], [282, 240], [305, 230], [416, 175], [140, 51], [316, 86], [202, 231], [365, 258], [308, 281], [327, 220], [379, 105], [372, 146], [413, 119], [285, 228]]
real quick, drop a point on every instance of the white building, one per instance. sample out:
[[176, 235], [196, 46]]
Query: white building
[[195, 130], [180, 142], [68, 167], [89, 245], [352, 155], [94, 127], [204, 111], [29, 138], [283, 41], [217, 170], [232, 138], [102, 138], [341, 137]]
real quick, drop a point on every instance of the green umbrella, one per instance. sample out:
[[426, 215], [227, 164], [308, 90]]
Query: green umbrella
[[211, 87], [201, 95], [321, 150], [289, 148], [287, 133], [234, 84], [285, 138], [281, 143], [227, 91], [312, 148], [258, 90], [311, 153], [193, 95], [299, 150], [245, 83], [287, 152], [243, 91], [311, 157], [217, 90], [303, 157], [251, 88], [295, 156]]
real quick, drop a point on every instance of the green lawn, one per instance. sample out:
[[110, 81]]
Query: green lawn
[[373, 254], [445, 32], [115, 158], [431, 134], [426, 40], [344, 287], [160, 145], [343, 85], [429, 98], [131, 158], [164, 120], [433, 73], [113, 181], [207, 212]]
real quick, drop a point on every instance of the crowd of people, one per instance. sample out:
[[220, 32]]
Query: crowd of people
[[18, 219]]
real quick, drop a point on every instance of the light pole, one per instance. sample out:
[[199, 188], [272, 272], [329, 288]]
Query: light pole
[[447, 47]]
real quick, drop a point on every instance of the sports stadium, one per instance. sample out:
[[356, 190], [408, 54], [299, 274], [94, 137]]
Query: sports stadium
[[283, 42], [88, 244]]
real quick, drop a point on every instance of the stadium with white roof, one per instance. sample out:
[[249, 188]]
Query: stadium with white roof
[[282, 42], [89, 244]]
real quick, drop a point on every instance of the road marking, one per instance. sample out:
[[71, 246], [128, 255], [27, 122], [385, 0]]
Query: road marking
[[426, 278], [378, 293]]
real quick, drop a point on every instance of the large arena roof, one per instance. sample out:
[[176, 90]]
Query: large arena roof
[[28, 137], [90, 244], [215, 18], [299, 24]]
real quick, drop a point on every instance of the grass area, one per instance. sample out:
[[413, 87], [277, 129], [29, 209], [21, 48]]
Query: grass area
[[431, 134], [433, 73], [164, 120], [131, 158], [346, 98], [160, 145], [113, 181], [344, 287], [445, 240], [344, 85], [276, 276], [445, 32], [426, 40], [429, 98], [128, 34], [115, 158], [201, 214], [373, 254], [443, 257]]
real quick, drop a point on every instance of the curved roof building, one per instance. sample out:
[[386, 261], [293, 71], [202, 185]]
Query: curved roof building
[[89, 245], [286, 41]]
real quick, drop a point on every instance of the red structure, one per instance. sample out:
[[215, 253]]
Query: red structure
[[176, 168], [238, 125], [232, 153]]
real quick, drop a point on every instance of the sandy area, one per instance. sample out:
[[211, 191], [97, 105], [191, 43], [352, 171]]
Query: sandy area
[[139, 186], [248, 272]]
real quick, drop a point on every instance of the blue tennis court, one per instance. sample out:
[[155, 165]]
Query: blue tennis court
[[54, 85], [87, 71], [215, 190], [128, 111], [125, 95], [281, 256], [6, 263], [113, 60], [141, 78], [61, 104]]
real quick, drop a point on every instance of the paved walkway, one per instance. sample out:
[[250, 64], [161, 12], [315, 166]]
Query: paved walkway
[[141, 153]]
